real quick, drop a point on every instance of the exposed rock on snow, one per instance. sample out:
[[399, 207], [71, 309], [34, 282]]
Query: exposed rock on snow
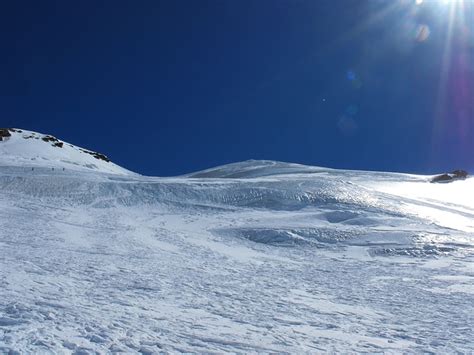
[[32, 149], [453, 176], [4, 133], [96, 155]]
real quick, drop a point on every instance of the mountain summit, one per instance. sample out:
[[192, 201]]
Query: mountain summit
[[22, 148]]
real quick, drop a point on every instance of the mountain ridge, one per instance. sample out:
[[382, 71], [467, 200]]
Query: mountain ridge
[[29, 149]]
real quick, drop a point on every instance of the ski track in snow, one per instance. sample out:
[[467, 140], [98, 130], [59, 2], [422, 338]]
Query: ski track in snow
[[312, 261]]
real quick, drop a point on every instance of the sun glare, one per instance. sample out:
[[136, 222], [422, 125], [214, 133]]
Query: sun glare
[[442, 2]]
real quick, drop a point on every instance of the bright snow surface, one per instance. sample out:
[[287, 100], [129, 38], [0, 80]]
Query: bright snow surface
[[257, 256], [32, 149]]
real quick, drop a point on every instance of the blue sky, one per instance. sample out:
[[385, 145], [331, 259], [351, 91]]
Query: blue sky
[[169, 87]]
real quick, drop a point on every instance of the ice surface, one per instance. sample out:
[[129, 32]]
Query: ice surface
[[257, 256]]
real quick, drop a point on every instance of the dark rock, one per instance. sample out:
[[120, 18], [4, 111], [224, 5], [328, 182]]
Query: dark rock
[[101, 157], [56, 142], [96, 155], [449, 177], [442, 178], [4, 133], [460, 173], [50, 139]]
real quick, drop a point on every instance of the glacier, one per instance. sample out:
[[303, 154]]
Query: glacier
[[250, 257]]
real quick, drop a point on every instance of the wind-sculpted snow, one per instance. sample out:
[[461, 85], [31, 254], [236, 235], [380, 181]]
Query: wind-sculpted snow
[[254, 169], [285, 194], [255, 257]]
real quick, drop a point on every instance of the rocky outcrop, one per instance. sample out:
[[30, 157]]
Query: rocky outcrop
[[449, 177], [56, 142], [50, 139], [96, 155], [4, 133]]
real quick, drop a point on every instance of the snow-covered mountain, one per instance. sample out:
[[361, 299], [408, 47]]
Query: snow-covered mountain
[[24, 148], [257, 256]]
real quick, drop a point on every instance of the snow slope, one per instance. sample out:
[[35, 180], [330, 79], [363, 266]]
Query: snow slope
[[257, 256], [31, 149]]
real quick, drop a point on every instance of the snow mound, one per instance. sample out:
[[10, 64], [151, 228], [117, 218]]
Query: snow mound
[[27, 149], [254, 169]]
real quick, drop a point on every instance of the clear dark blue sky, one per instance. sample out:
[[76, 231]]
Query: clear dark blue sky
[[168, 87]]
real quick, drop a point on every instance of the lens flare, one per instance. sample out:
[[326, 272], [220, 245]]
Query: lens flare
[[422, 33]]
